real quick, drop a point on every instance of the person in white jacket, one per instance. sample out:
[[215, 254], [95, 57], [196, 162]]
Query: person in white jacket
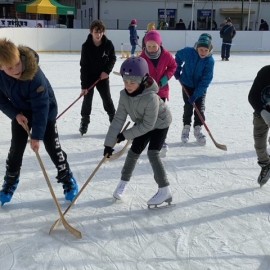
[[152, 117]]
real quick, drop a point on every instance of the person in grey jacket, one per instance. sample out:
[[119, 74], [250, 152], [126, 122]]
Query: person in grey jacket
[[152, 117]]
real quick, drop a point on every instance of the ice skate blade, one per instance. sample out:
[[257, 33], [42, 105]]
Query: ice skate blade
[[160, 206], [117, 199], [262, 183]]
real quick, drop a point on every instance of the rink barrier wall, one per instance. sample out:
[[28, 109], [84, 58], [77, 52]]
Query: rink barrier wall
[[70, 40]]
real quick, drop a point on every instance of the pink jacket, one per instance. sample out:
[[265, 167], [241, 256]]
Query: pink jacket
[[166, 67]]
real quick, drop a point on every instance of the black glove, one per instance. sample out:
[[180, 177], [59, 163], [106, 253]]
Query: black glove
[[108, 151], [120, 137]]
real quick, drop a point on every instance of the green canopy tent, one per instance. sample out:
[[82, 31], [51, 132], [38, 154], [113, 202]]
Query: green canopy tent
[[45, 7]]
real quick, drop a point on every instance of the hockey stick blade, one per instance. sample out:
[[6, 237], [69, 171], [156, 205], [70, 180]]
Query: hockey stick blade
[[67, 226], [116, 73], [218, 145], [83, 187]]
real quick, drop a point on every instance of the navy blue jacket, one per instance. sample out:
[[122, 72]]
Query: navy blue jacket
[[31, 95]]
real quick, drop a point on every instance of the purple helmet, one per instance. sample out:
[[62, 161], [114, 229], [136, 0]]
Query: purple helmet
[[134, 66]]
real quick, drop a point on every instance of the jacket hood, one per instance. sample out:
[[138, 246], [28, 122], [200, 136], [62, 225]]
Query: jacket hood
[[29, 60]]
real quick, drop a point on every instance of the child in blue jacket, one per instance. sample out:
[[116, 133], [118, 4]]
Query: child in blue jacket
[[27, 98], [195, 67]]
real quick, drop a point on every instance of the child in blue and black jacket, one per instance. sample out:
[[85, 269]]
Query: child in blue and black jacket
[[195, 66], [27, 98]]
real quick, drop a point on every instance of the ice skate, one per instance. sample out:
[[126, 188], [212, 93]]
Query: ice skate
[[163, 195], [200, 137], [83, 128], [10, 184], [69, 185], [164, 150], [185, 134], [120, 190], [264, 175]]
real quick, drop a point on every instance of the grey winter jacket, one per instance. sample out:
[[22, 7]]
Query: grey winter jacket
[[146, 110]]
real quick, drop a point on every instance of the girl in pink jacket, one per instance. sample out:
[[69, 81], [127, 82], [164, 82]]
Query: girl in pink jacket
[[161, 65]]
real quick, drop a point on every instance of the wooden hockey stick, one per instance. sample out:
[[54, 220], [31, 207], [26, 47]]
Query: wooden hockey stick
[[92, 86], [67, 226], [119, 153], [117, 73], [83, 187], [218, 145]]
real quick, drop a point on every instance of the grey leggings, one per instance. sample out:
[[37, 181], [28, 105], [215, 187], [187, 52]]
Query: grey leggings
[[260, 133]]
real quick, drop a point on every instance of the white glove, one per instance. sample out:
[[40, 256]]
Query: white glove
[[266, 117]]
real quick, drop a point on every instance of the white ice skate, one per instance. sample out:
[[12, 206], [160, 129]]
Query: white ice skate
[[120, 190], [200, 137], [163, 195], [185, 134]]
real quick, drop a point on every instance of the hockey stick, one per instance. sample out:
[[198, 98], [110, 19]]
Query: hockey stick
[[92, 86], [218, 145], [121, 152], [117, 73], [67, 226], [83, 187]]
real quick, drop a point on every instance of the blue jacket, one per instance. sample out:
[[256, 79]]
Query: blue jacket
[[194, 72], [31, 95], [133, 37]]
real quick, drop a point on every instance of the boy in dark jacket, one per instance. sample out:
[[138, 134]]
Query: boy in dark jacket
[[227, 33], [259, 98], [27, 98], [97, 61]]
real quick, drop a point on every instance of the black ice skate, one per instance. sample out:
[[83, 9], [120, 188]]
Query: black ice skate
[[83, 128], [264, 175]]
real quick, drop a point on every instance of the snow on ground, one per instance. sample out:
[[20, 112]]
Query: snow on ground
[[221, 217]]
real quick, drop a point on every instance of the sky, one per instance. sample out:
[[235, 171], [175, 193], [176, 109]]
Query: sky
[[220, 220]]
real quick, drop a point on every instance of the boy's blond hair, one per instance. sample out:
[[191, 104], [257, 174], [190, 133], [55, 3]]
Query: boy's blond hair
[[9, 53]]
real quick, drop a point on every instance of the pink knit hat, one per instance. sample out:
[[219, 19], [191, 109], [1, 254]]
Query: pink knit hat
[[134, 21], [153, 35]]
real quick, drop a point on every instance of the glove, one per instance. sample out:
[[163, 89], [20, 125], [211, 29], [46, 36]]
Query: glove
[[266, 117], [163, 81], [120, 137], [192, 99], [108, 151]]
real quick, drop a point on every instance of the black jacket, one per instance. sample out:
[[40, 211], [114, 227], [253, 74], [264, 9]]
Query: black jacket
[[227, 33], [260, 85], [96, 59]]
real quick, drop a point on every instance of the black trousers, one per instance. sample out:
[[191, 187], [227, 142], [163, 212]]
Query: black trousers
[[225, 50], [19, 142], [188, 109], [103, 88], [155, 138]]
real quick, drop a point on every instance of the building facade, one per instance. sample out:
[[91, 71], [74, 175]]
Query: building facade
[[117, 14], [206, 14]]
